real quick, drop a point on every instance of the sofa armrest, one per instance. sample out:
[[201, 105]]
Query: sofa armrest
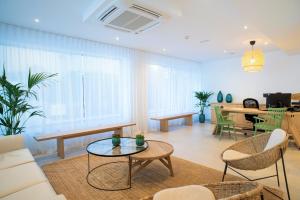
[[11, 143]]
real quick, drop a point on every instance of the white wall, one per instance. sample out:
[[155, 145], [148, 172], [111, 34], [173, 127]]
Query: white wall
[[281, 73]]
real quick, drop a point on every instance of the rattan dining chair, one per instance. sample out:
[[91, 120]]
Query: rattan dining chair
[[257, 152]]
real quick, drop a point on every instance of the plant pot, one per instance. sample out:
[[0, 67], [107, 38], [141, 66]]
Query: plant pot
[[116, 141], [201, 118], [139, 141]]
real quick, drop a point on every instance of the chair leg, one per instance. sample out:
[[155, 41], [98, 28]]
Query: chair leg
[[234, 132], [277, 175], [217, 129], [284, 172], [221, 132], [261, 196], [255, 130], [225, 170]]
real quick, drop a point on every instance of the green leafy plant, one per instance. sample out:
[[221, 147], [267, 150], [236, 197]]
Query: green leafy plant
[[203, 100], [116, 135], [15, 109], [139, 136]]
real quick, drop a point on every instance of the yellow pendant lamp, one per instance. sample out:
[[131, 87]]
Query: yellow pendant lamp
[[254, 60]]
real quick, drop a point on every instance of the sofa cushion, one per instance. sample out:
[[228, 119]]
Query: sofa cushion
[[11, 143], [234, 155], [41, 191], [190, 192], [17, 178], [277, 137], [60, 197], [14, 158]]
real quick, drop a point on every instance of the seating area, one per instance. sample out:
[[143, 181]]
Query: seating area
[[149, 100]]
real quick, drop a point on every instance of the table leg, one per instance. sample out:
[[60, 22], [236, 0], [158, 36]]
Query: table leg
[[189, 121], [119, 132], [60, 148], [89, 167], [129, 172], [164, 125], [170, 165]]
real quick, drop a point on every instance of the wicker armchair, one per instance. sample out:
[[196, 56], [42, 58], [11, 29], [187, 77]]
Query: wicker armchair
[[233, 190], [257, 156], [236, 190]]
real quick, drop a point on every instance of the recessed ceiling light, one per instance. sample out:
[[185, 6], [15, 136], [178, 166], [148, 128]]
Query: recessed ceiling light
[[266, 43], [245, 27], [225, 51], [117, 38], [164, 50], [204, 41], [36, 20], [187, 37]]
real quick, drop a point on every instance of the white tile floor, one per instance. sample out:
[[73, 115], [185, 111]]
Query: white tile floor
[[197, 144]]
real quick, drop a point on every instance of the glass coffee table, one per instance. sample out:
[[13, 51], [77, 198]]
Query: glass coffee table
[[105, 148]]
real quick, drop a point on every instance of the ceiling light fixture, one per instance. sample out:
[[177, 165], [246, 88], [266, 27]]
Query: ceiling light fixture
[[164, 50], [204, 41], [225, 51], [117, 38], [266, 43], [253, 61], [245, 27], [36, 20]]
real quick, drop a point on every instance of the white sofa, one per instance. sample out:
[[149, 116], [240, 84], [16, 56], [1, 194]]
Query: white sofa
[[20, 177]]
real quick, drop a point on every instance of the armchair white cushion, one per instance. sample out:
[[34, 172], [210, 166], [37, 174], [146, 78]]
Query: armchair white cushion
[[20, 177], [191, 192], [14, 158], [11, 143], [233, 155], [277, 137]]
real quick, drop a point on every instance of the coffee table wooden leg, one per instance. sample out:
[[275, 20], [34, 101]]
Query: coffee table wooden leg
[[168, 164]]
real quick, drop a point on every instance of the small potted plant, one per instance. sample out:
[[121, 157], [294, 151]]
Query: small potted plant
[[203, 103], [116, 139], [140, 139]]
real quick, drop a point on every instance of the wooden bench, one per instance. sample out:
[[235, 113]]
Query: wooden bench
[[60, 137], [164, 120]]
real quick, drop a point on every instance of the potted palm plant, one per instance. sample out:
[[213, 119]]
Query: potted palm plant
[[15, 109], [203, 97]]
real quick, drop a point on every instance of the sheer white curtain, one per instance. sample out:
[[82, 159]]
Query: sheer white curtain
[[97, 84], [171, 86]]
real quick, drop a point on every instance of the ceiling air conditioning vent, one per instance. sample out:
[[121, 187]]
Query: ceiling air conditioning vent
[[125, 16]]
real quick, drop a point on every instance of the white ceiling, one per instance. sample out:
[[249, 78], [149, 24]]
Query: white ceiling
[[219, 21]]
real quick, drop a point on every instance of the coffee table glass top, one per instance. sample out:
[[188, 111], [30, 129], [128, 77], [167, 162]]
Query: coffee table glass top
[[105, 147]]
